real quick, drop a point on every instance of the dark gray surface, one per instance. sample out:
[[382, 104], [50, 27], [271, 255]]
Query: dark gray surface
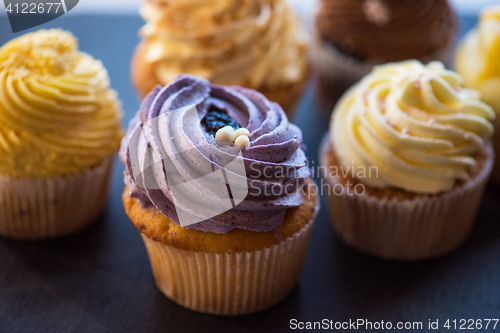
[[100, 279]]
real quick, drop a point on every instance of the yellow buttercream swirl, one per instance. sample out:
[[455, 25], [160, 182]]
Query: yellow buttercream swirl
[[414, 123], [478, 57], [58, 114], [252, 43]]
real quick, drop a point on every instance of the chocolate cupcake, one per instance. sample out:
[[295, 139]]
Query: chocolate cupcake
[[354, 35]]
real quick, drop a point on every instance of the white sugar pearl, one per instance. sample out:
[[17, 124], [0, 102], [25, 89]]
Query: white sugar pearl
[[241, 131], [242, 141], [229, 128], [225, 135]]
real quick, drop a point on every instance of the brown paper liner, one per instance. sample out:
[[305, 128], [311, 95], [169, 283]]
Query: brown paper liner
[[339, 70], [495, 174], [410, 229], [289, 96], [42, 208], [229, 283], [144, 80]]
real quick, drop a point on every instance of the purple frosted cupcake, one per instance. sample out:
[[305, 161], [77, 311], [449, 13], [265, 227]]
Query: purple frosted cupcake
[[217, 185]]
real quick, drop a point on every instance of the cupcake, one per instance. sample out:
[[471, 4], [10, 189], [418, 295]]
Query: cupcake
[[59, 130], [256, 44], [406, 161], [477, 60], [218, 187], [354, 35]]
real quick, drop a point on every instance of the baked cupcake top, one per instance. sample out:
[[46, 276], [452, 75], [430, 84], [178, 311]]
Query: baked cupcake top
[[388, 30], [257, 44], [477, 58], [187, 142], [414, 123], [58, 114]]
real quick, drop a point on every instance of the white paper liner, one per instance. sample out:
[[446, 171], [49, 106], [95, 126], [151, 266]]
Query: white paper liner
[[42, 208], [229, 283], [407, 229]]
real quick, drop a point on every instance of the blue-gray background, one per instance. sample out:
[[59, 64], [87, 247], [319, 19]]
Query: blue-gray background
[[100, 279]]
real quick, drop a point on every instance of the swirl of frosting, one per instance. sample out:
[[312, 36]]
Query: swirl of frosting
[[388, 30], [58, 114], [477, 58], [257, 44], [415, 123], [275, 163]]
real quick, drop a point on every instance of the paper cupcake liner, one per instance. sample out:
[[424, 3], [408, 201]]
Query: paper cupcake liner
[[341, 70], [42, 208], [288, 97], [338, 68], [414, 229], [495, 175], [229, 283]]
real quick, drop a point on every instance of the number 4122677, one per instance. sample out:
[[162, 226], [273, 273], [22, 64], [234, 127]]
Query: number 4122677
[[33, 8], [471, 324]]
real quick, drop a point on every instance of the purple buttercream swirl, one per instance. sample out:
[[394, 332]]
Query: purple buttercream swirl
[[275, 162]]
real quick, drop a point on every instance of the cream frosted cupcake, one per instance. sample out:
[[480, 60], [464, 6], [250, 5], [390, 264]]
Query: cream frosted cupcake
[[352, 36], [237, 253], [477, 61], [414, 153], [59, 129], [256, 44]]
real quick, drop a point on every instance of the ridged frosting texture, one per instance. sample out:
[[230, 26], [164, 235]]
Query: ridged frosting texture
[[388, 30], [58, 114], [275, 162], [414, 123], [257, 44], [477, 58]]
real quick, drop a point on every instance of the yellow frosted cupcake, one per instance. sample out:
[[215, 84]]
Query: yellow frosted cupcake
[[406, 160], [256, 44], [478, 61], [59, 129]]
